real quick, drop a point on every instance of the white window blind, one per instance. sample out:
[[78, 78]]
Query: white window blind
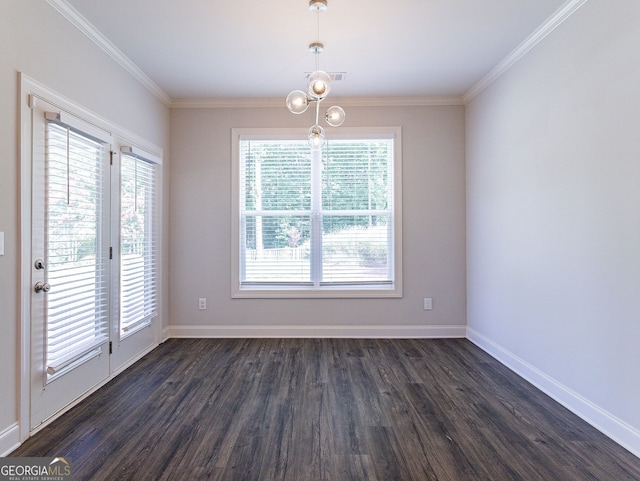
[[357, 212], [77, 307], [276, 212], [138, 245], [316, 220]]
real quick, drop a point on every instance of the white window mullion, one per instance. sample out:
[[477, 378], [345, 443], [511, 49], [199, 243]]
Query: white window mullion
[[316, 217]]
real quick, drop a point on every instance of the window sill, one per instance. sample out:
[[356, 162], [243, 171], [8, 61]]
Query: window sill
[[317, 293]]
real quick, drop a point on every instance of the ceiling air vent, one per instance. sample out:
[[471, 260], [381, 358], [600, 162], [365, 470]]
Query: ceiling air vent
[[335, 76]]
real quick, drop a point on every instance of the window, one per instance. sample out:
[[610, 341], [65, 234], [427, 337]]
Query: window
[[77, 247], [75, 262], [317, 223], [138, 245]]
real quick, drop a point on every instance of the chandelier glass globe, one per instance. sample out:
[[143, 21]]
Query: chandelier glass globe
[[319, 85], [335, 116], [297, 102], [316, 137]]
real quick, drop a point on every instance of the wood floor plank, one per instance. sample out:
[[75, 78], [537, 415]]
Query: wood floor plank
[[326, 410]]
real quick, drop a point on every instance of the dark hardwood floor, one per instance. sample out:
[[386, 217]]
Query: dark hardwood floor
[[326, 410]]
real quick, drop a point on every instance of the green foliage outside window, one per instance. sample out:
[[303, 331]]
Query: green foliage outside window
[[278, 178]]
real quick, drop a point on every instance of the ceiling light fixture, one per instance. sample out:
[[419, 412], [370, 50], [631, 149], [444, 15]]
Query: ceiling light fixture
[[318, 87]]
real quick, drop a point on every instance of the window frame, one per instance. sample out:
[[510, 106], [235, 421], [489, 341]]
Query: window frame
[[394, 290], [151, 295], [91, 156]]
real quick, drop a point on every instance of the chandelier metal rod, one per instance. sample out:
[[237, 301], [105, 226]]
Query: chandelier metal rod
[[318, 87]]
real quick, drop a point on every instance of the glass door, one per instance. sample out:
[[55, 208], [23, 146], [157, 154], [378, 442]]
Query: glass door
[[70, 308], [135, 259]]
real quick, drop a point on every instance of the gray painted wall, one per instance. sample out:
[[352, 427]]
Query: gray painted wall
[[433, 229], [553, 216]]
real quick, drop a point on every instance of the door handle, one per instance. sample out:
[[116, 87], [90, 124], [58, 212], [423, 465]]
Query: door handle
[[42, 287]]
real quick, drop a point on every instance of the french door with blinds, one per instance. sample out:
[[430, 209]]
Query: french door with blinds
[[94, 273]]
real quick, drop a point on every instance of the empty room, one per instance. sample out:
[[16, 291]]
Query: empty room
[[320, 240]]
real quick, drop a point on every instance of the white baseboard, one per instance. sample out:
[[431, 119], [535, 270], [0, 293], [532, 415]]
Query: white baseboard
[[622, 433], [165, 334], [360, 332], [9, 439]]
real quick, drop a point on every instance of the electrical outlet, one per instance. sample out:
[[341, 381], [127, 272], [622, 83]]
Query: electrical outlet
[[202, 303], [428, 303]]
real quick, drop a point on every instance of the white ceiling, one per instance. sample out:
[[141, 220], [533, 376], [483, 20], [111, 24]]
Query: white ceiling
[[213, 49]]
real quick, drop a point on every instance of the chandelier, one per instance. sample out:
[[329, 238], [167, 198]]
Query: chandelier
[[318, 87]]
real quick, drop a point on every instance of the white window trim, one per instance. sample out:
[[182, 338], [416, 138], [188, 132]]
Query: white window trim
[[328, 291]]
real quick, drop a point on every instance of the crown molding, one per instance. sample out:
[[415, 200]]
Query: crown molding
[[553, 22], [72, 15], [400, 101], [227, 103], [238, 103]]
